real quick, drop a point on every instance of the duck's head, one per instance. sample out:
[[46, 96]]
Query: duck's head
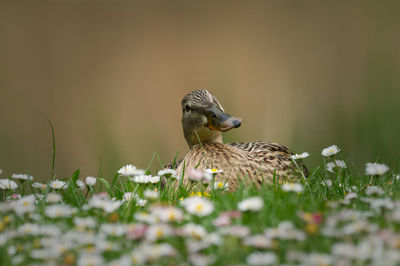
[[203, 118]]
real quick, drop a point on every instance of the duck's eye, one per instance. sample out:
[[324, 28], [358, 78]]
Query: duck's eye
[[187, 108]]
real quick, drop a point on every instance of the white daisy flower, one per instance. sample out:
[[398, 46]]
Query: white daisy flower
[[90, 180], [58, 211], [336, 164], [193, 230], [53, 197], [214, 171], [332, 150], [194, 174], [285, 230], [24, 205], [18, 260], [167, 214], [221, 185], [295, 187], [340, 163], [155, 179], [396, 215], [330, 166], [87, 222], [198, 206], [261, 258], [58, 184], [239, 231], [197, 259], [251, 204], [130, 170], [151, 252], [146, 217], [144, 179], [207, 177], [376, 168], [166, 172], [28, 229], [374, 190], [151, 194], [7, 184], [379, 203], [350, 196], [113, 229], [138, 257], [80, 184], [86, 259], [22, 177], [128, 196], [258, 241], [327, 182], [141, 202], [357, 227], [158, 231], [101, 202], [43, 254], [199, 176], [300, 156], [122, 261], [39, 185]]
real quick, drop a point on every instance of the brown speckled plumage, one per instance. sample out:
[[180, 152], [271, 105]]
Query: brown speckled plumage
[[254, 162]]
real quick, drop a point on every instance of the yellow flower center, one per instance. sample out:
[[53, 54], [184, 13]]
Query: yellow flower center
[[36, 243], [171, 216], [311, 228], [159, 233], [90, 249], [199, 207], [307, 217], [6, 219]]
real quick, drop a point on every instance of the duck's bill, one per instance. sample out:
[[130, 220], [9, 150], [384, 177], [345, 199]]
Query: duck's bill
[[218, 120], [232, 122]]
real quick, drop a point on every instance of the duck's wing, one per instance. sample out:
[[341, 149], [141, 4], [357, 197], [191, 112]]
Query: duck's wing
[[272, 153]]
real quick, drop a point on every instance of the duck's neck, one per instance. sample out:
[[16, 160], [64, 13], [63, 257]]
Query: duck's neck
[[203, 135]]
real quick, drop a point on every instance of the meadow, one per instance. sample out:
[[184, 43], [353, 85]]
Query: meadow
[[335, 216]]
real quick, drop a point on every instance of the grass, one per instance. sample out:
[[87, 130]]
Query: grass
[[340, 221]]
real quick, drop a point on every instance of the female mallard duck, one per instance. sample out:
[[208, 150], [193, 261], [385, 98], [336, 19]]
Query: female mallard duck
[[203, 121]]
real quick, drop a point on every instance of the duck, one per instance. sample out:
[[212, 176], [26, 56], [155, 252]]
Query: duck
[[203, 122]]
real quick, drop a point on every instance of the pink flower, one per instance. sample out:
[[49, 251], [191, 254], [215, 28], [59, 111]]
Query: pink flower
[[222, 220], [136, 231], [195, 175], [232, 214], [311, 217]]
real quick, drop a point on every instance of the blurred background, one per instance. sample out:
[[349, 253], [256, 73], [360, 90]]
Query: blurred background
[[110, 76]]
